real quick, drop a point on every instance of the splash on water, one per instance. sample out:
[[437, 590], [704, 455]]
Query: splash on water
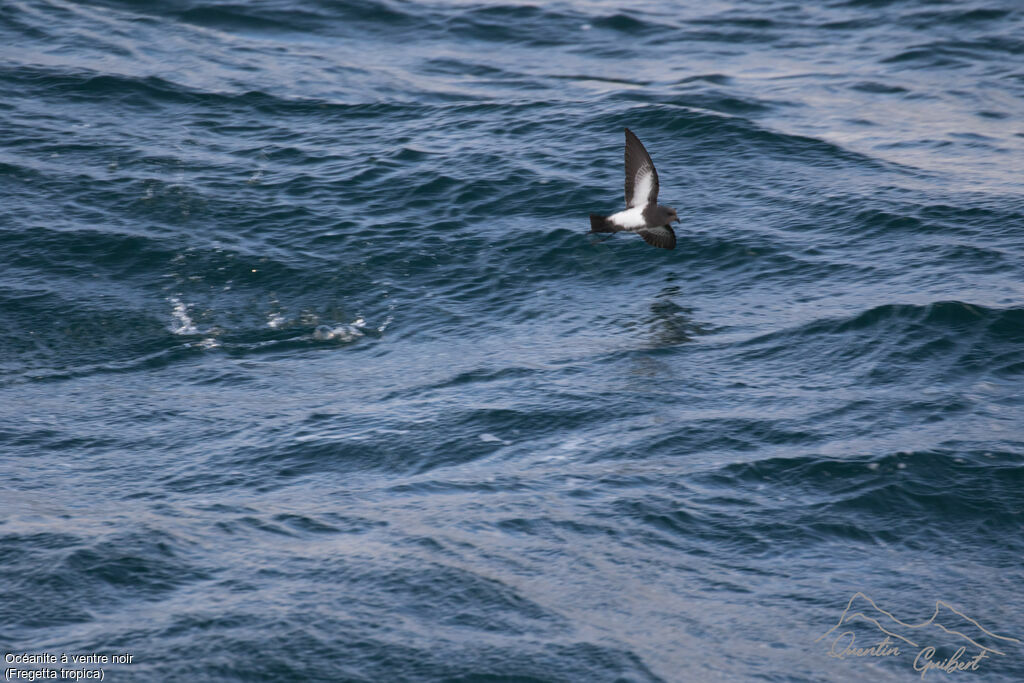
[[182, 322]]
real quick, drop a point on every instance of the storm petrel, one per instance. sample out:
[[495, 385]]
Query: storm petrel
[[643, 214]]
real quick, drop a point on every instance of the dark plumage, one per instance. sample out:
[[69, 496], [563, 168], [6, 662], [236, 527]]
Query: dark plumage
[[643, 214]]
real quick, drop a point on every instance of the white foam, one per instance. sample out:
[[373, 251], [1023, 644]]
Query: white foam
[[183, 323], [343, 333]]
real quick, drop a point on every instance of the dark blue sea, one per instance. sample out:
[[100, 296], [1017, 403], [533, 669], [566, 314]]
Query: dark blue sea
[[309, 370]]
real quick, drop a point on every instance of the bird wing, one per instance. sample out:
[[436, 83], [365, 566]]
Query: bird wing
[[641, 177], [661, 236]]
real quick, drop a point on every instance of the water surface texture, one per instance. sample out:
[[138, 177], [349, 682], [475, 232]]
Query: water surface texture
[[309, 371]]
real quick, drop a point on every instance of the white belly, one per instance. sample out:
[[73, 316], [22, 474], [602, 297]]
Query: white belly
[[630, 219]]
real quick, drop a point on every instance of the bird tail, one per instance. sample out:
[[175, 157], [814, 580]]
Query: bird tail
[[600, 223]]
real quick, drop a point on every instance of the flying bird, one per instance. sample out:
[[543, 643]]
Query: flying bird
[[643, 214]]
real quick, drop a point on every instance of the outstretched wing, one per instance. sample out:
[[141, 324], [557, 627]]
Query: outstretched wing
[[661, 236], [641, 177]]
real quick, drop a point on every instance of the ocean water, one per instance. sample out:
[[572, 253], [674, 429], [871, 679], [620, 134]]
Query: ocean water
[[310, 371]]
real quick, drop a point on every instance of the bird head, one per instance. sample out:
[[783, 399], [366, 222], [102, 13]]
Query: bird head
[[673, 216]]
